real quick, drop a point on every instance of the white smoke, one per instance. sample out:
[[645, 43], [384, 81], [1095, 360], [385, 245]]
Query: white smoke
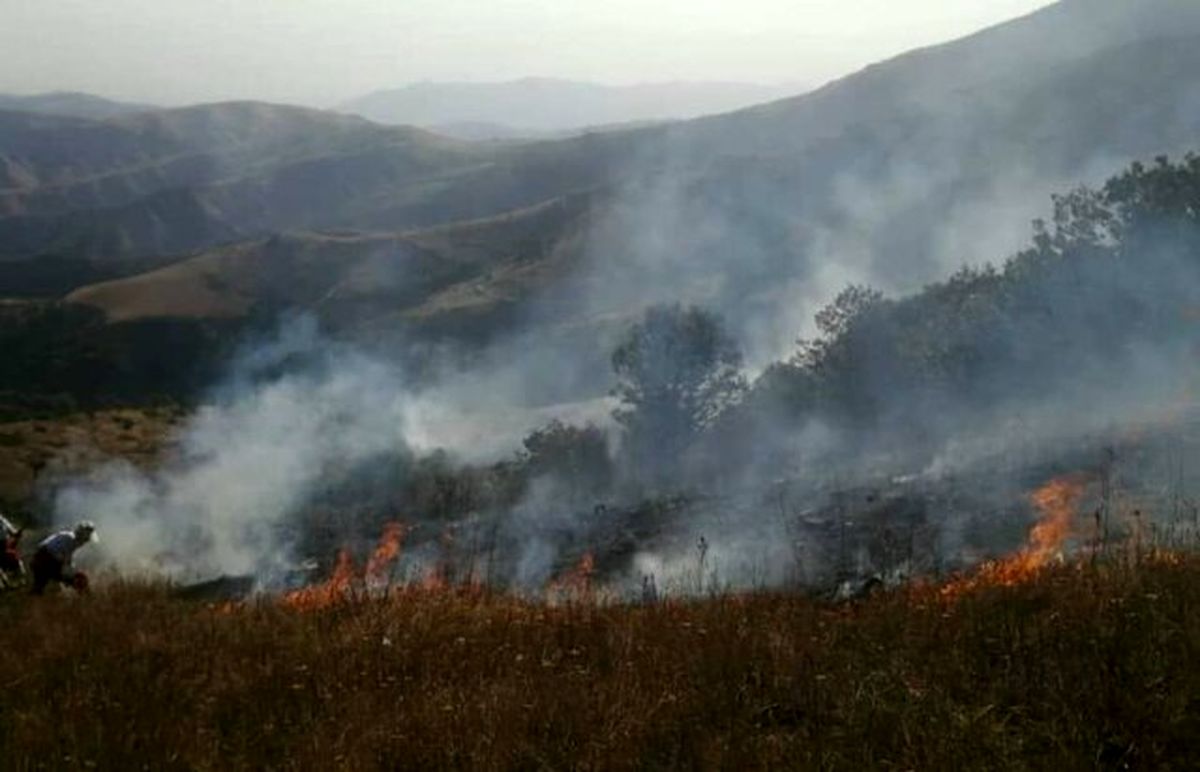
[[295, 414], [244, 463]]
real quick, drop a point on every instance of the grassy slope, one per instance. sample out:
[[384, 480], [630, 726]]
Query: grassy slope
[[1081, 667], [44, 448]]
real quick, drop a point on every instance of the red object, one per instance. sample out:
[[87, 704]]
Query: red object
[[10, 557]]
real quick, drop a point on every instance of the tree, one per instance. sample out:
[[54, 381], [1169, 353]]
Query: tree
[[837, 322], [677, 371], [576, 457]]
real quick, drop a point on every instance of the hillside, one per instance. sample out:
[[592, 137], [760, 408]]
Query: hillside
[[901, 440], [1009, 114], [893, 176], [929, 140], [167, 181], [354, 278], [35, 452]]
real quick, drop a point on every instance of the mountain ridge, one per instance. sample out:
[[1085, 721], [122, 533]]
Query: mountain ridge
[[76, 104], [894, 175], [540, 106]]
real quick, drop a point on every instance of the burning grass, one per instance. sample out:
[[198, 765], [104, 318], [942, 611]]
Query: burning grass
[[1080, 665], [1057, 503]]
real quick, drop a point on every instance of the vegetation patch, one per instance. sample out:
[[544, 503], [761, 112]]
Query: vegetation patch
[[1079, 666]]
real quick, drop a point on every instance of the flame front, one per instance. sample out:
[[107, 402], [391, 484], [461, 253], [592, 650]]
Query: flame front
[[344, 580], [1057, 501], [385, 554], [333, 590], [576, 582]]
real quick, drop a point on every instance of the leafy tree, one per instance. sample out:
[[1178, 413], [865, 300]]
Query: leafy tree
[[677, 371], [836, 323], [1111, 277], [848, 358], [576, 456]]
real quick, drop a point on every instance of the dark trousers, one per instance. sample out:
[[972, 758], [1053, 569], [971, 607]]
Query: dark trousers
[[45, 569]]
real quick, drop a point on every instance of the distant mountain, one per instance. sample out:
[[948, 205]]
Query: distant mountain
[[899, 162], [479, 131], [974, 77], [56, 164], [70, 104], [497, 132], [539, 106], [174, 180], [914, 165]]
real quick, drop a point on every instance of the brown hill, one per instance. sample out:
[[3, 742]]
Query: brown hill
[[357, 278], [168, 180]]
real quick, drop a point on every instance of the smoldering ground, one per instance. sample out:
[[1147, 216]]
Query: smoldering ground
[[300, 421], [301, 415], [1085, 333], [245, 461]]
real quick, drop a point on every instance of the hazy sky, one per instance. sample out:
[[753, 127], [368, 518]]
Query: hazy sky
[[322, 51]]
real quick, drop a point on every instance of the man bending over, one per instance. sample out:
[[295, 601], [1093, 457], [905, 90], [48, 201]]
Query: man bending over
[[52, 561]]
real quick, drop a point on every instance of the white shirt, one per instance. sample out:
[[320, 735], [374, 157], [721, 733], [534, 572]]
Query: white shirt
[[61, 545]]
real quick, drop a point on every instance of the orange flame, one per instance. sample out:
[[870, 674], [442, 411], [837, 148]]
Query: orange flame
[[385, 554], [577, 581], [1057, 501], [342, 582], [333, 590]]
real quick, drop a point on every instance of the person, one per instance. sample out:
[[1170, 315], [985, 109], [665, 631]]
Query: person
[[53, 560], [11, 566]]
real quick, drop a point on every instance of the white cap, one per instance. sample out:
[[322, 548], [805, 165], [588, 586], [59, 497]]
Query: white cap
[[86, 530]]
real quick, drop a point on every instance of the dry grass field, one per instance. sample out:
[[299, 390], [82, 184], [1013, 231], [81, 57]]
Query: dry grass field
[[1079, 666], [37, 451]]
